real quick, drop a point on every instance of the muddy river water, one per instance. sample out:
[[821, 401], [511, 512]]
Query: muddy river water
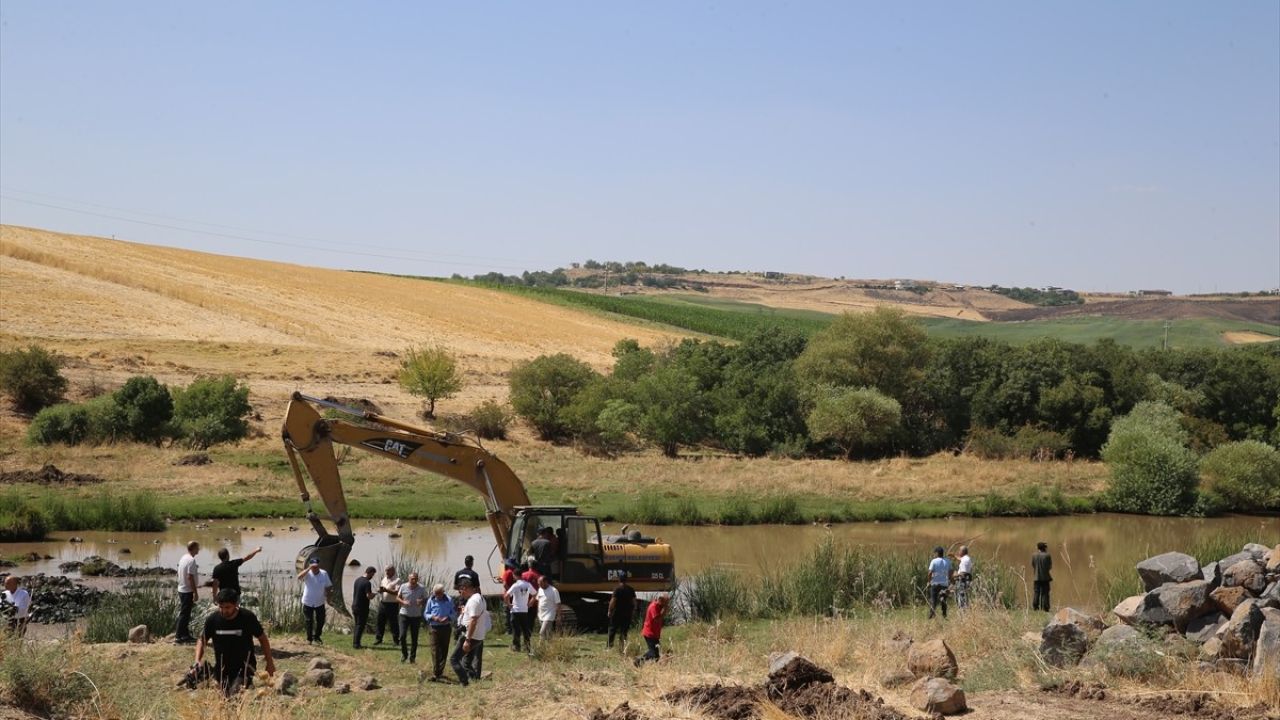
[[1085, 547]]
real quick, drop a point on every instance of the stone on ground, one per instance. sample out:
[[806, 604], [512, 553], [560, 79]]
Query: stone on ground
[[1129, 608], [342, 688], [932, 659], [1203, 628], [286, 683], [1271, 596], [319, 663], [1062, 643], [1257, 551], [1239, 635], [1092, 625], [1170, 567], [1118, 635], [1228, 598], [1212, 574], [896, 678], [1273, 560], [937, 695], [319, 677], [140, 634], [1266, 655], [1247, 574], [368, 682], [1184, 601]]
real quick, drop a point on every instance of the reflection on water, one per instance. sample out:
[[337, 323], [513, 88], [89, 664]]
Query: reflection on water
[[1085, 547]]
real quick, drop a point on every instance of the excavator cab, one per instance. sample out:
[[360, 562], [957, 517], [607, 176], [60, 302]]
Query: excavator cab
[[578, 554]]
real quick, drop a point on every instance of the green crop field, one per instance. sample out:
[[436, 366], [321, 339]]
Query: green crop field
[[736, 320]]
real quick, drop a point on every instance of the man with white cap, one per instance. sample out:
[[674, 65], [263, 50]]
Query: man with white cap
[[316, 588]]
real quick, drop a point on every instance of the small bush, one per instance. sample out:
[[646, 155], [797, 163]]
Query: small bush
[[20, 520], [1029, 443], [431, 372], [711, 595], [153, 604], [649, 510], [780, 511], [1152, 470], [737, 510], [543, 388], [1246, 475], [491, 420], [212, 410], [145, 408], [31, 378], [687, 512], [66, 423]]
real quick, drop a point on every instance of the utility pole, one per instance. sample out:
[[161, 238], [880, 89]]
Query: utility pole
[[1166, 334]]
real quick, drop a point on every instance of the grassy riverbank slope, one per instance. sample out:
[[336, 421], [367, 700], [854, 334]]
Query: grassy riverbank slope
[[253, 479]]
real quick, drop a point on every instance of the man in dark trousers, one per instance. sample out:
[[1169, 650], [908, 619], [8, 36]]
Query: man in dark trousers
[[1041, 563], [466, 573], [622, 609], [361, 596], [231, 631], [226, 574]]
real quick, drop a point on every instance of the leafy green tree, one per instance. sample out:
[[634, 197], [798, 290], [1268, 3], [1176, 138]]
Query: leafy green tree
[[1152, 470], [615, 423], [31, 378], [145, 407], [854, 418], [212, 410], [66, 423], [1244, 474], [630, 360], [432, 373], [674, 410], [757, 403], [883, 349], [542, 388]]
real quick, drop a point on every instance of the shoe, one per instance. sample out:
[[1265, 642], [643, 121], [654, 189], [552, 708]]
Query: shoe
[[404, 660], [378, 641], [319, 641], [413, 661]]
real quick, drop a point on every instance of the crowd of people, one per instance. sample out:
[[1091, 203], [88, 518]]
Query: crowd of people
[[461, 621], [953, 575]]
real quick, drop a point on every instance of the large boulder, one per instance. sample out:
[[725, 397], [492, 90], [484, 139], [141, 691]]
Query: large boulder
[[1266, 654], [320, 677], [1063, 643], [1230, 560], [1239, 635], [1273, 560], [1248, 574], [932, 659], [1212, 648], [1092, 625], [1212, 574], [319, 663], [1227, 599], [1205, 627], [1184, 601], [1256, 551], [1129, 609], [1171, 567], [936, 695], [286, 683], [1271, 596]]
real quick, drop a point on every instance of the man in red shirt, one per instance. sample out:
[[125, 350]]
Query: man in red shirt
[[652, 631]]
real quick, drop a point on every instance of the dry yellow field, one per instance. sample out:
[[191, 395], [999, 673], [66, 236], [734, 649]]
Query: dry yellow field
[[1243, 337], [116, 308]]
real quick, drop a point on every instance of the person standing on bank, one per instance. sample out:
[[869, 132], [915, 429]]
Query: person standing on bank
[[939, 579], [473, 625], [231, 630], [316, 588], [1042, 564], [622, 610], [517, 599], [226, 574], [388, 606], [361, 596], [412, 599], [964, 575], [188, 584], [20, 599], [467, 572], [652, 630], [441, 614], [548, 608]]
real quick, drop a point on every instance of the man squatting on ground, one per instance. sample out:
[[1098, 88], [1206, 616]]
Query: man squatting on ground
[[20, 599], [188, 582], [473, 625], [231, 630], [316, 589], [652, 630], [939, 578]]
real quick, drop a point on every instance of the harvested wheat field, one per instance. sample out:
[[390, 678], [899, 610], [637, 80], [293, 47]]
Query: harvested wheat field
[[118, 308]]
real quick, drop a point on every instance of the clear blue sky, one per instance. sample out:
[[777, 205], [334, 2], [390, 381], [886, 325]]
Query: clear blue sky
[[1101, 146]]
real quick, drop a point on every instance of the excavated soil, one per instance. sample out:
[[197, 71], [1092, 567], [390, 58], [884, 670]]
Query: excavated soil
[[723, 702], [830, 701], [622, 712], [1201, 706], [48, 475]]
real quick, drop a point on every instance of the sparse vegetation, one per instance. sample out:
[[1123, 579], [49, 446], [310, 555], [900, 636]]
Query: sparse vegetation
[[431, 373]]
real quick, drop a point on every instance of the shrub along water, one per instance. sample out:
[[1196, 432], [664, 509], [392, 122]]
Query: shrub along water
[[149, 602], [26, 518]]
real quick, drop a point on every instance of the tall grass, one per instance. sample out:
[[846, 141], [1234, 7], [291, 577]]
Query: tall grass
[[150, 603], [279, 606], [833, 580], [41, 679], [21, 520], [27, 517]]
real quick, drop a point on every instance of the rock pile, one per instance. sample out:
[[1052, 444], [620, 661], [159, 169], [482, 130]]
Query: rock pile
[[95, 565], [55, 599], [1230, 607]]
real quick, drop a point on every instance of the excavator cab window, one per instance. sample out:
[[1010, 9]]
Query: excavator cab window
[[582, 552]]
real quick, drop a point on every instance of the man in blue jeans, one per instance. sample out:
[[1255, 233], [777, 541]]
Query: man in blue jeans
[[939, 580]]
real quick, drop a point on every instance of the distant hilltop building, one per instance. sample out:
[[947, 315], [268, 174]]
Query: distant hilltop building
[[1152, 293]]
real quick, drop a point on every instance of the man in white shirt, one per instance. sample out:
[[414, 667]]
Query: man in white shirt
[[517, 598], [388, 606], [20, 599], [316, 588], [964, 574], [548, 607], [188, 582], [473, 625], [939, 580]]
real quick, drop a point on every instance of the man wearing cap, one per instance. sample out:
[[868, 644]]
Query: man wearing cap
[[388, 606], [939, 579], [441, 615], [231, 631], [361, 596], [466, 572], [622, 609], [316, 588], [1042, 564]]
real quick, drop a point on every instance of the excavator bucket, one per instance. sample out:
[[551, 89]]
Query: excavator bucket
[[331, 553]]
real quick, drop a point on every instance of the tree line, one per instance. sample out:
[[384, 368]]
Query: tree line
[[874, 384]]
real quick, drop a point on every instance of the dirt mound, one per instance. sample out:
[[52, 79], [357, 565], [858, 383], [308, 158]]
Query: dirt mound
[[193, 459], [798, 673], [1085, 690], [1199, 705], [622, 712], [830, 701], [1259, 311], [362, 404], [724, 702], [48, 475]]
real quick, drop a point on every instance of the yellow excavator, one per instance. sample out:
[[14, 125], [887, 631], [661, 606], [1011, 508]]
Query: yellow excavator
[[586, 564]]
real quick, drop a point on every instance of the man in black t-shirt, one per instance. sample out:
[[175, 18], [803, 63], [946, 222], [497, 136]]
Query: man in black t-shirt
[[231, 630], [226, 574], [466, 573], [622, 608], [361, 594]]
